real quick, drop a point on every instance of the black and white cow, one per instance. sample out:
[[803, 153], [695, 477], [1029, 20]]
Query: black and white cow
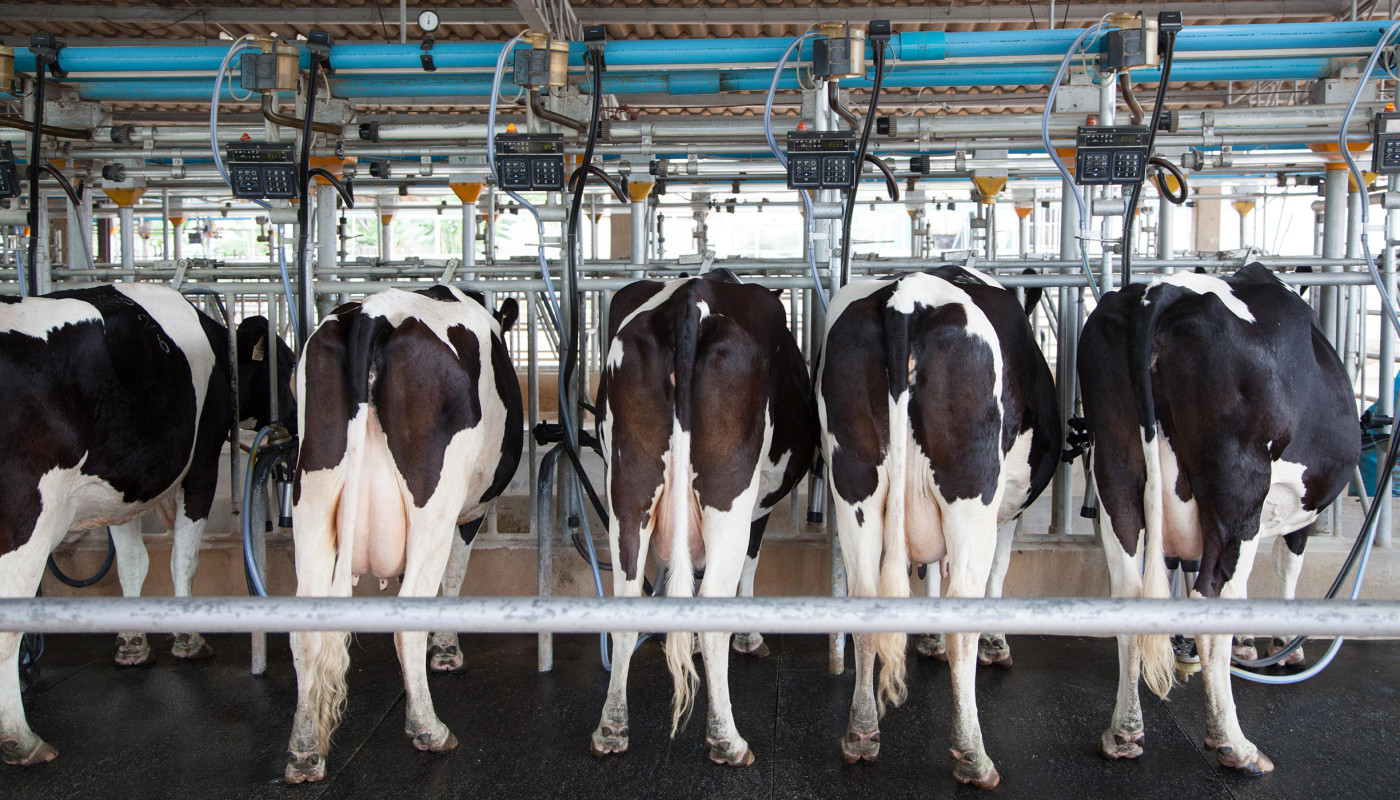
[[117, 402], [707, 421], [1220, 416], [411, 424], [940, 423], [254, 380]]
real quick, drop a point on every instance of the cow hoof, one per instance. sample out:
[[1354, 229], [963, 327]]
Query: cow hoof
[[608, 740], [1242, 649], [304, 767], [1114, 745], [751, 644], [735, 754], [428, 742], [445, 659], [977, 770], [860, 746], [134, 650], [191, 646], [933, 646], [993, 649], [1294, 659], [42, 752], [1255, 764]]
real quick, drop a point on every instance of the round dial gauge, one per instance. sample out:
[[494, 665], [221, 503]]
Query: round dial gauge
[[428, 21]]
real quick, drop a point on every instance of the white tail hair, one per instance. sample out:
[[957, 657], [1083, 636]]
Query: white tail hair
[[1157, 661], [894, 563], [680, 505]]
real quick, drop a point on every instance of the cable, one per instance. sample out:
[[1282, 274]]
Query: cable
[[1169, 47], [1086, 34], [1162, 165], [83, 583], [782, 159], [848, 214], [255, 579], [29, 282]]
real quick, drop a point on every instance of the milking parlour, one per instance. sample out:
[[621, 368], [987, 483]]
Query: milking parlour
[[699, 398]]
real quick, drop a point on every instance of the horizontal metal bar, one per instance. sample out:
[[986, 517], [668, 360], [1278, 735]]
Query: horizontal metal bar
[[1055, 616]]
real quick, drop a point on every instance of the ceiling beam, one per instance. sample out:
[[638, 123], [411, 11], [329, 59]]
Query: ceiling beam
[[543, 13]]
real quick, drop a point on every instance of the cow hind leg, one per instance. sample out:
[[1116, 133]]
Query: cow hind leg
[[992, 648], [321, 658], [429, 542], [133, 647], [1223, 734], [184, 560], [970, 532], [861, 536], [444, 652], [1289, 565], [20, 573], [725, 539], [611, 734], [1124, 736], [932, 645], [749, 644]]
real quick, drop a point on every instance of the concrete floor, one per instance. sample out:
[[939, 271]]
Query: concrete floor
[[210, 730]]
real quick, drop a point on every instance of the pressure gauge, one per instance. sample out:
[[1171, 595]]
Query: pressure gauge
[[428, 21]]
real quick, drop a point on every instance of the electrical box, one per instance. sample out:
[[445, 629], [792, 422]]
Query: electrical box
[[9, 176], [821, 159], [1385, 156], [262, 170], [530, 161], [1110, 154]]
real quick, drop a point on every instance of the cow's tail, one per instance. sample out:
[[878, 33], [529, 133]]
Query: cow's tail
[[329, 651], [1157, 661], [894, 561], [683, 510]]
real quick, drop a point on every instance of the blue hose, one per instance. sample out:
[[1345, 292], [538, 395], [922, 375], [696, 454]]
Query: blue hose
[[259, 587]]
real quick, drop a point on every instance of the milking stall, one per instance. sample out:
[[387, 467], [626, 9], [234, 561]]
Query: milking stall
[[924, 399]]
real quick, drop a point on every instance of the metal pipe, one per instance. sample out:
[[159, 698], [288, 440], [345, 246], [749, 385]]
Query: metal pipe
[[1386, 370], [538, 109], [833, 98], [128, 223], [1062, 488], [271, 114], [20, 124], [1334, 222], [639, 237], [1061, 616]]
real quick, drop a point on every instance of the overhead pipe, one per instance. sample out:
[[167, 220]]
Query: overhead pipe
[[538, 109], [1347, 38], [271, 114]]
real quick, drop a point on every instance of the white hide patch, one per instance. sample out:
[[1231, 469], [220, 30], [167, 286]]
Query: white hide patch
[[1015, 477], [667, 289], [40, 316], [1207, 284], [1283, 510], [397, 305], [922, 289], [180, 322]]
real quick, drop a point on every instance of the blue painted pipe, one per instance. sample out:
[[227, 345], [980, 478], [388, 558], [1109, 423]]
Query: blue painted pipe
[[909, 46], [692, 82]]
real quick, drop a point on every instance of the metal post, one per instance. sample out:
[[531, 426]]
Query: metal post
[[490, 236], [327, 249], [164, 225], [539, 522], [127, 216], [1387, 376], [1166, 229], [469, 242], [639, 237], [1334, 227], [43, 261], [1062, 490]]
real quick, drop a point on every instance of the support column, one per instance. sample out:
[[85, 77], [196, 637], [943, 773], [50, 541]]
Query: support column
[[327, 246], [468, 193], [386, 206], [1387, 376], [637, 193], [1166, 229], [1334, 226], [1062, 490]]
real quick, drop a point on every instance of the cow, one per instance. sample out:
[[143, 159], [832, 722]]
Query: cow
[[1219, 416], [118, 402], [706, 420], [254, 378], [411, 425], [940, 423]]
